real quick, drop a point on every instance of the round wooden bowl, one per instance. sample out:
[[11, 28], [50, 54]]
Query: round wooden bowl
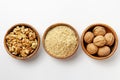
[[108, 29], [53, 26], [28, 26]]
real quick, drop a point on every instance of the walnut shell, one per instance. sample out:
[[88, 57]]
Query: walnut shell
[[98, 30], [103, 51], [99, 41], [92, 49], [88, 37], [109, 38]]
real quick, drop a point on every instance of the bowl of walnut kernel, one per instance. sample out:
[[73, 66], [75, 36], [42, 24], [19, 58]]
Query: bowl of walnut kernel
[[99, 41], [22, 41]]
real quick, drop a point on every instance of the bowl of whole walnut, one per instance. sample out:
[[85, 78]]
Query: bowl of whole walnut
[[22, 41], [99, 41]]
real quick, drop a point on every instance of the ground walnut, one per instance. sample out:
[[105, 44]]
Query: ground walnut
[[99, 41], [103, 51], [99, 30], [109, 38], [21, 41], [92, 49], [88, 37]]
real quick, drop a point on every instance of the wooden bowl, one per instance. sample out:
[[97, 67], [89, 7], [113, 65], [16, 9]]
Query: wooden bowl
[[28, 26], [53, 26], [108, 29]]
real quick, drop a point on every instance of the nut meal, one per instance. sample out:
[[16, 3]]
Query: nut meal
[[61, 41]]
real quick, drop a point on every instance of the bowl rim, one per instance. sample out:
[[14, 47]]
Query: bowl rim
[[32, 54], [105, 26], [56, 25]]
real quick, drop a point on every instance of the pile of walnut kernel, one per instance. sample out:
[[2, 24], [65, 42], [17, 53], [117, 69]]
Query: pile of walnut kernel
[[99, 41], [21, 41]]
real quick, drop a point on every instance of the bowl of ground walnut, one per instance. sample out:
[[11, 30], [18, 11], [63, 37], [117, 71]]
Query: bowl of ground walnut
[[22, 41], [99, 41], [60, 40]]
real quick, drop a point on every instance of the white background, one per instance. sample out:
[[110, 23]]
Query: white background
[[43, 13]]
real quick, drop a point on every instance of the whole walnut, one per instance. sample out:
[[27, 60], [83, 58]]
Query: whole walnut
[[109, 38], [99, 41], [99, 30], [88, 37], [103, 51], [92, 49]]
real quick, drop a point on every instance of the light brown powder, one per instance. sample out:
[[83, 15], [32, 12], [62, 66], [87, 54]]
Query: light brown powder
[[61, 41]]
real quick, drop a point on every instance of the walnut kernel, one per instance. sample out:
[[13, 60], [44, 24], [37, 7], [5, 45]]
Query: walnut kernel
[[21, 41]]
